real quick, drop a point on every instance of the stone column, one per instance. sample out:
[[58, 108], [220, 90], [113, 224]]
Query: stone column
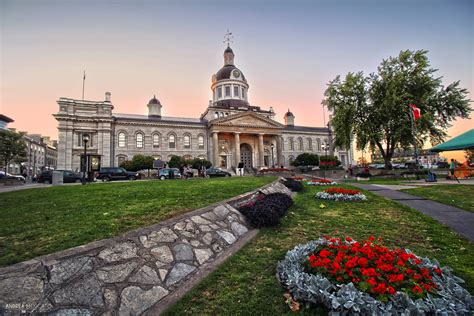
[[260, 150], [279, 150], [215, 148], [237, 149]]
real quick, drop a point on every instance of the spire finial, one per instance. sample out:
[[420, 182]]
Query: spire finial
[[228, 38]]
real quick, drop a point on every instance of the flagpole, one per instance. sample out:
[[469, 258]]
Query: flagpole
[[83, 84]]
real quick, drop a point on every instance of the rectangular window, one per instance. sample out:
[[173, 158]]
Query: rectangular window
[[236, 91], [243, 93], [187, 142], [227, 91], [201, 142], [219, 92]]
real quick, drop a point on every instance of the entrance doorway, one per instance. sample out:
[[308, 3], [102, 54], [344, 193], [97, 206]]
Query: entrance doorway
[[246, 155]]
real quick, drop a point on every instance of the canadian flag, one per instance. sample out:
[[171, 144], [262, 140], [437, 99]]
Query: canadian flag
[[416, 111]]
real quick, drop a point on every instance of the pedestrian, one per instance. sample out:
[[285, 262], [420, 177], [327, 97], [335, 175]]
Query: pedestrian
[[452, 166], [181, 171]]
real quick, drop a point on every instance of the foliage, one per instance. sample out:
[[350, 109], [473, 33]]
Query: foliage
[[469, 154], [398, 279], [57, 218], [341, 194], [328, 162], [138, 162], [364, 175], [273, 170], [12, 147], [266, 210], [362, 161], [376, 108], [196, 163], [293, 185], [306, 159], [249, 275]]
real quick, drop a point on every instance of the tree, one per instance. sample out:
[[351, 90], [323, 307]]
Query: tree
[[376, 108], [469, 154], [362, 161], [139, 162], [12, 147], [175, 161], [197, 163], [306, 159]]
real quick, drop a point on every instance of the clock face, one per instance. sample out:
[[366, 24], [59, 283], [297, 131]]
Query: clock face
[[236, 73]]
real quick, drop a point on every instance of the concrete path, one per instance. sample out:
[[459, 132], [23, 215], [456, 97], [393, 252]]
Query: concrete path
[[459, 220]]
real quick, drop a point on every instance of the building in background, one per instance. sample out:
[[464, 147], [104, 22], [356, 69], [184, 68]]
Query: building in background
[[4, 120], [229, 132], [408, 155]]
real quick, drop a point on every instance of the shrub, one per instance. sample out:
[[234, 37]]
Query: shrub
[[363, 175], [306, 159], [267, 211], [293, 185]]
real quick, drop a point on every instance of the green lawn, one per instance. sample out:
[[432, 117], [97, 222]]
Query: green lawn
[[40, 221], [458, 195], [246, 284]]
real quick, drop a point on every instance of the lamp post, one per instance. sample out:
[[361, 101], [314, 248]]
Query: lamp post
[[325, 147], [273, 158], [85, 139]]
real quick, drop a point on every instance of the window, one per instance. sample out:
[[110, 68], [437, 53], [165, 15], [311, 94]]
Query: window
[[310, 144], [227, 91], [121, 160], [300, 143], [318, 144], [121, 139], [139, 139], [243, 93], [187, 141], [236, 91], [156, 140], [216, 114], [219, 92], [291, 144], [201, 142], [172, 141]]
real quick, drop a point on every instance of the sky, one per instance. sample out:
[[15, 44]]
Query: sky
[[288, 51]]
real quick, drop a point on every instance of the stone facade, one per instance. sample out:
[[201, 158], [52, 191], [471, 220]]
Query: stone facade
[[229, 131], [132, 274]]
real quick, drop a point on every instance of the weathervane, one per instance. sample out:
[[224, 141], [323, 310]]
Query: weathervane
[[228, 38]]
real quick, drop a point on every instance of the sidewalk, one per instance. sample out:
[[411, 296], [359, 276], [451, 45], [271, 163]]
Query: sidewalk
[[459, 220]]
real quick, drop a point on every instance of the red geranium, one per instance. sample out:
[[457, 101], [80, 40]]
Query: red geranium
[[372, 268], [341, 191], [321, 181]]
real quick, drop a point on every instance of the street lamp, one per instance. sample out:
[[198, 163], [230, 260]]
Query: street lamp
[[273, 158], [325, 147], [85, 139]]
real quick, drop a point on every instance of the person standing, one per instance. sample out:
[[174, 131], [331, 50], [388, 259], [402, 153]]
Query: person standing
[[452, 166]]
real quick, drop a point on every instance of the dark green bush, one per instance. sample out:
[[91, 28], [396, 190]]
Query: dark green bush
[[363, 175], [293, 185]]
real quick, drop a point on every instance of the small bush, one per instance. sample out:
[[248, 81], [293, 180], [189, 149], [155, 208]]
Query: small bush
[[267, 211], [363, 175], [293, 185]]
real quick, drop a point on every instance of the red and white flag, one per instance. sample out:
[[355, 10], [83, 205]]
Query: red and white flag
[[416, 111]]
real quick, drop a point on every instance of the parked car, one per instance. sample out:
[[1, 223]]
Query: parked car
[[6, 175], [377, 166], [169, 173], [69, 176], [116, 173], [215, 172], [442, 164]]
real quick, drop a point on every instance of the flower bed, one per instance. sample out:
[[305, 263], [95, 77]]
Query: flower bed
[[369, 278], [321, 182], [266, 210], [297, 178], [340, 194]]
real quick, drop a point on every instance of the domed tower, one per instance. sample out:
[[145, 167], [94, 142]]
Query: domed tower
[[154, 107], [229, 86], [289, 118]]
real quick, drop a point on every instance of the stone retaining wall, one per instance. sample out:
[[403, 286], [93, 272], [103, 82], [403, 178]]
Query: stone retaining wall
[[130, 274]]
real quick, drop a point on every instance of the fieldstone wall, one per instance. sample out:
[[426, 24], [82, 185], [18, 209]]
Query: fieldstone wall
[[127, 275]]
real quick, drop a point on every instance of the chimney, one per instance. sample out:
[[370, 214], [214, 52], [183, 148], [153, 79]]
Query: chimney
[[107, 96]]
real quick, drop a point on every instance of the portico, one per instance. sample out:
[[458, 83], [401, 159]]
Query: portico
[[247, 138]]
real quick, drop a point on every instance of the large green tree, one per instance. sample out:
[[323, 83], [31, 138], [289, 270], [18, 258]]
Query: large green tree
[[375, 108], [12, 147]]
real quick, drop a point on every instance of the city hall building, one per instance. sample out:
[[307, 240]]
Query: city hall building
[[229, 131]]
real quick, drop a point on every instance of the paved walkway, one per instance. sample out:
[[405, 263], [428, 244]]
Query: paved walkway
[[459, 220]]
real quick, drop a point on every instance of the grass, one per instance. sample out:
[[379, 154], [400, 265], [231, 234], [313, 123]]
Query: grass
[[246, 284], [40, 221], [458, 195]]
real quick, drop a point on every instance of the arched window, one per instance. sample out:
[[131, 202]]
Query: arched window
[[187, 141], [291, 144], [310, 144], [290, 160], [172, 141], [139, 140], [300, 143], [156, 140], [122, 140], [216, 114], [318, 144], [201, 142], [187, 157]]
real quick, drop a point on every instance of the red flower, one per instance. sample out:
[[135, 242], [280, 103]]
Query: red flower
[[438, 271], [417, 289]]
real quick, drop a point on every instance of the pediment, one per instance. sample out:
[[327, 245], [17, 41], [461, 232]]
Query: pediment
[[247, 120]]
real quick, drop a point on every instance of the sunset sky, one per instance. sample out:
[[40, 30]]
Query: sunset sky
[[288, 51]]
